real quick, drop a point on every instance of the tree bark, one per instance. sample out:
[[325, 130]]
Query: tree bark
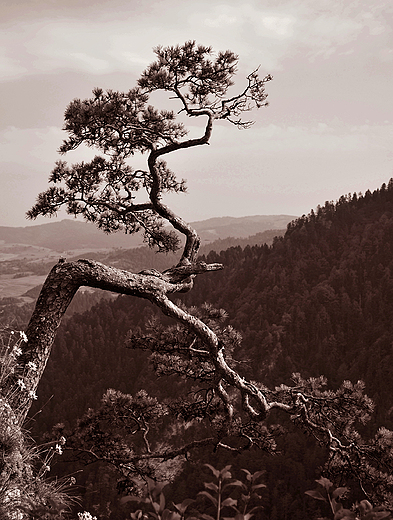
[[62, 283]]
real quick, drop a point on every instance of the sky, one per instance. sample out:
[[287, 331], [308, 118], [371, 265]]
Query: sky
[[328, 129]]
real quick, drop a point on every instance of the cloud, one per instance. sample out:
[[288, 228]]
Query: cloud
[[281, 26], [10, 68], [324, 160], [303, 29], [325, 34], [39, 147], [93, 48], [223, 16], [268, 169], [52, 46], [27, 158], [317, 139], [121, 39]]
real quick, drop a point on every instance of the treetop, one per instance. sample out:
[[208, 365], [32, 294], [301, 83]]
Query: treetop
[[107, 190]]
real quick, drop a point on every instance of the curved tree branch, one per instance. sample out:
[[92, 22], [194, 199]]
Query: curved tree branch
[[60, 287], [191, 247], [57, 292]]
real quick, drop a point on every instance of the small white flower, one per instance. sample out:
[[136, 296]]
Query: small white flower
[[21, 384], [23, 336], [32, 395], [32, 366], [47, 468], [86, 516], [62, 440], [17, 351], [58, 449]]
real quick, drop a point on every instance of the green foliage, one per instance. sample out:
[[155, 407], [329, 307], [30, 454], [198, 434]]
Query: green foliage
[[321, 294], [103, 191], [189, 66], [119, 124], [118, 430], [170, 344]]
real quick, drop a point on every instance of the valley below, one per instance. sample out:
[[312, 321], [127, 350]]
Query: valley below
[[27, 254]]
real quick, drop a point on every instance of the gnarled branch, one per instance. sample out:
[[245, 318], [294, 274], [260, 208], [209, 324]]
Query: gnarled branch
[[57, 292]]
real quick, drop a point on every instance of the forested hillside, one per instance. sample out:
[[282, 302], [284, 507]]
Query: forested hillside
[[23, 268], [318, 301], [71, 235]]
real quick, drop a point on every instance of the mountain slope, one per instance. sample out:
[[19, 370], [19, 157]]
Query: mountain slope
[[27, 254], [70, 235], [241, 227], [66, 235], [319, 301]]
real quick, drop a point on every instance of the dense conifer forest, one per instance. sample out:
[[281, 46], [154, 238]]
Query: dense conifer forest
[[317, 301]]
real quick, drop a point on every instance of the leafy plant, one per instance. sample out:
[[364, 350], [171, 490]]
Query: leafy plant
[[156, 501], [24, 492], [224, 482], [361, 511], [215, 492], [250, 488]]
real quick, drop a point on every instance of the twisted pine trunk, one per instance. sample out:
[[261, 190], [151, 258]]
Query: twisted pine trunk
[[57, 292]]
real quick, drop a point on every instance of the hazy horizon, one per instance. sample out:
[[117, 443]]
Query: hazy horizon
[[80, 221], [327, 132]]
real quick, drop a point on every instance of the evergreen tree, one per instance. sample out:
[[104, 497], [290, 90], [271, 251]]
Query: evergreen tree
[[224, 409]]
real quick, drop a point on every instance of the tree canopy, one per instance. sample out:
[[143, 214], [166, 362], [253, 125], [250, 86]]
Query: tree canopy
[[120, 124]]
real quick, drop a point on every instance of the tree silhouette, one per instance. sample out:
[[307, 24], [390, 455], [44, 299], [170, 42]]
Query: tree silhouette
[[107, 191]]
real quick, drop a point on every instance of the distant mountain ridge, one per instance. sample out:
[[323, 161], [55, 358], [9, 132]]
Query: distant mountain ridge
[[66, 234], [27, 254], [220, 228], [72, 234]]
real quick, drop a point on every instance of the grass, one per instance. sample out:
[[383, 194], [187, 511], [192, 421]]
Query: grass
[[25, 493]]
